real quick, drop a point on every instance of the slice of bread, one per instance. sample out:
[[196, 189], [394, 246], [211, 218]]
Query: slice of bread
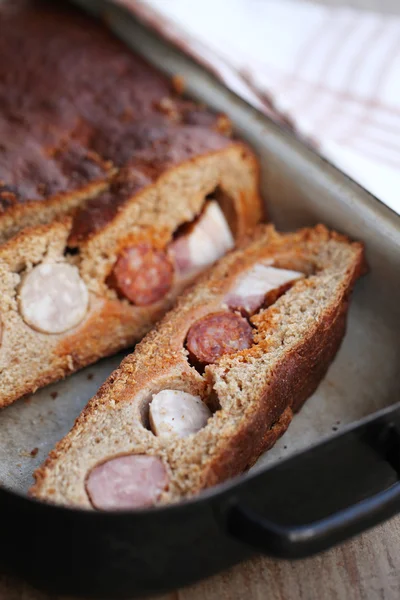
[[102, 162], [149, 218], [251, 394]]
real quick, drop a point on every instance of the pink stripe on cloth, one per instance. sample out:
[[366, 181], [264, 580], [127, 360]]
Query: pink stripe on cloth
[[392, 55], [338, 32], [334, 110], [330, 74]]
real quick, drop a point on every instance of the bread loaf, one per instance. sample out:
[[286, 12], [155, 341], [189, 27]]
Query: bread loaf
[[115, 193], [217, 381]]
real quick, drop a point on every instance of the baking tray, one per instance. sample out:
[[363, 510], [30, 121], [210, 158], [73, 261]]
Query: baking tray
[[333, 474]]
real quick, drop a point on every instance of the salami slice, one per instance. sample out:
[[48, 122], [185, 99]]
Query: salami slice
[[133, 481], [142, 274], [217, 334]]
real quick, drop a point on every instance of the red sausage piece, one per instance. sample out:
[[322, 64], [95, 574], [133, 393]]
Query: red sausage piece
[[218, 334], [142, 274], [133, 481]]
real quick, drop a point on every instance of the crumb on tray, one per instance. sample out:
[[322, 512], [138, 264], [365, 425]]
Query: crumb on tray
[[178, 83]]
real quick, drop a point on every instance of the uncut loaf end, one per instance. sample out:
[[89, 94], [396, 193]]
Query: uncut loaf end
[[115, 192]]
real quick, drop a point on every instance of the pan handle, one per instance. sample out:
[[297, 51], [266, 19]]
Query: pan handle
[[297, 541]]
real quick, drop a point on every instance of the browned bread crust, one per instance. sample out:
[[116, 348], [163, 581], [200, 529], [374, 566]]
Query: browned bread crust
[[96, 139], [253, 393], [77, 105], [30, 359]]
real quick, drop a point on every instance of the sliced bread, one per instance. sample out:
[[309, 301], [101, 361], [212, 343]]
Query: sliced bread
[[115, 192], [217, 381]]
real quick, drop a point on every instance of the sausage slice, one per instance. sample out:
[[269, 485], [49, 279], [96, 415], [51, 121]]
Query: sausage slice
[[133, 481], [53, 298], [217, 334], [208, 240], [142, 274], [173, 412], [261, 284]]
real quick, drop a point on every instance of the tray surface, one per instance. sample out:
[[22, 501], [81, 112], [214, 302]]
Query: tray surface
[[300, 189]]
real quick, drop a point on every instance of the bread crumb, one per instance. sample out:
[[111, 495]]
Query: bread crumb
[[24, 453], [90, 376], [34, 452], [167, 106], [224, 125], [178, 84], [54, 395]]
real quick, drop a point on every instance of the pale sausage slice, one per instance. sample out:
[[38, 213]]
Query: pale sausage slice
[[173, 412], [252, 289], [217, 334], [133, 481], [142, 274], [53, 298], [208, 240]]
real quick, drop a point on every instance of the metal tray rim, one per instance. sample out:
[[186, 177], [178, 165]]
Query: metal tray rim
[[362, 197]]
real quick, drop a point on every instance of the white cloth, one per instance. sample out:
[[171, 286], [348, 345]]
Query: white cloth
[[333, 73]]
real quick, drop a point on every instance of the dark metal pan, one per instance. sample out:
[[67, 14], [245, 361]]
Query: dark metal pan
[[301, 506], [335, 472]]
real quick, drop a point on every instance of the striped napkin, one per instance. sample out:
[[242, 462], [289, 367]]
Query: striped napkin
[[331, 73]]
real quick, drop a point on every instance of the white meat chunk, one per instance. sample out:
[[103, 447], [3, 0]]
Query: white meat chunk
[[53, 298]]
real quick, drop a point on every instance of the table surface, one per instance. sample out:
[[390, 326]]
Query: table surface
[[367, 568]]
